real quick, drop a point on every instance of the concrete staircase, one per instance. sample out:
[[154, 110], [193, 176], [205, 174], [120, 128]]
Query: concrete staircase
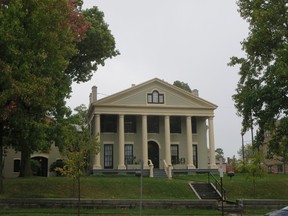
[[205, 191], [159, 173]]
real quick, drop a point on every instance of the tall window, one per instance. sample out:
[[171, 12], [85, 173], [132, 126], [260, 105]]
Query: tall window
[[108, 156], [130, 124], [155, 97], [153, 124], [280, 168], [174, 154], [175, 124], [109, 123], [128, 149], [16, 167], [195, 155], [194, 125]]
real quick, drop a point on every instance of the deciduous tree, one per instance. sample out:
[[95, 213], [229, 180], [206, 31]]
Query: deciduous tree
[[97, 45], [219, 154], [248, 151], [78, 147], [253, 167], [35, 50], [182, 85], [37, 65], [261, 96]]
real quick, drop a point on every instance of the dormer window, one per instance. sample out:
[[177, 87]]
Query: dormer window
[[155, 97]]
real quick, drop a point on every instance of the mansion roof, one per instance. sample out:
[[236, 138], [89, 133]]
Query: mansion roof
[[140, 99]]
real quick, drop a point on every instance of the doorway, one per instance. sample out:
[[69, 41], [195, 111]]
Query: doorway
[[153, 153], [39, 166]]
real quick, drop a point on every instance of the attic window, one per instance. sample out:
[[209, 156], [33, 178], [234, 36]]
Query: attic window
[[155, 97]]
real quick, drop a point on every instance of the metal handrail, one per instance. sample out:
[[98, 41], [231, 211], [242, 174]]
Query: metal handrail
[[217, 184]]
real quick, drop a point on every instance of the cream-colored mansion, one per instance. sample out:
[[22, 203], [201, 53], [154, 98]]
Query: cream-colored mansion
[[154, 122]]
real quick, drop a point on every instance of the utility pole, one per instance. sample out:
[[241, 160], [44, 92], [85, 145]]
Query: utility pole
[[221, 182], [141, 188]]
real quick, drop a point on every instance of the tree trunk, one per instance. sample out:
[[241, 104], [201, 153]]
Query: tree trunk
[[284, 166], [25, 169], [79, 194]]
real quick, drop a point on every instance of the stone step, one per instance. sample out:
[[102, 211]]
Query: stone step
[[205, 191], [159, 173]]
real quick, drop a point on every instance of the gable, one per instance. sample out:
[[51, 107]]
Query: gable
[[136, 96]]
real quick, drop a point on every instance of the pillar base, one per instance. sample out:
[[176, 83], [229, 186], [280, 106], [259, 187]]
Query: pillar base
[[146, 166], [97, 167], [121, 167], [191, 166]]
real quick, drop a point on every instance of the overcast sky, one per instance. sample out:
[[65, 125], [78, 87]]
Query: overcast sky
[[186, 40]]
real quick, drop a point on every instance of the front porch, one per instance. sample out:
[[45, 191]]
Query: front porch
[[146, 172]]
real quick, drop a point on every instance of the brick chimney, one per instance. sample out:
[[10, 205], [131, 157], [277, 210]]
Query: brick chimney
[[93, 95]]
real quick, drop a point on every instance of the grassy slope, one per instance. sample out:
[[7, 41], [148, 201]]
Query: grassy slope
[[128, 187], [272, 186]]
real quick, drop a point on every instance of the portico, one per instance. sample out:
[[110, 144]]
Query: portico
[[152, 117]]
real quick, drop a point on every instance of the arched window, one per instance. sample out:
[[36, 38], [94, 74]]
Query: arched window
[[155, 97]]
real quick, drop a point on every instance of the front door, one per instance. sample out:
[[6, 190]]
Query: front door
[[40, 166], [153, 153]]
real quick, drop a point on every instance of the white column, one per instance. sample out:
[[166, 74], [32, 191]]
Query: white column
[[97, 162], [167, 140], [121, 164], [190, 164], [211, 143], [144, 142]]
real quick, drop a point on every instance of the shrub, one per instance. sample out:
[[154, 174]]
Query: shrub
[[57, 164]]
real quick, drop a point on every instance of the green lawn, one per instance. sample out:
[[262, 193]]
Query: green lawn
[[271, 186], [128, 187]]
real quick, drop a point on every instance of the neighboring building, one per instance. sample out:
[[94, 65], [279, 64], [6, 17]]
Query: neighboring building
[[275, 164], [12, 161], [153, 121]]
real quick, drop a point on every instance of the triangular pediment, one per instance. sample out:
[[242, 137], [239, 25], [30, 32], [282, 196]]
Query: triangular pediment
[[137, 96]]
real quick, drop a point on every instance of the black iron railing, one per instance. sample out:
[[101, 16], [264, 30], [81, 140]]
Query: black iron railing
[[219, 187]]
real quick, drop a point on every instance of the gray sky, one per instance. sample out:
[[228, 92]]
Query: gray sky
[[186, 40]]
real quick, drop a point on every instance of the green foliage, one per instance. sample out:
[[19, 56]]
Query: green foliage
[[41, 54], [94, 49], [78, 144], [253, 167], [248, 151], [77, 154], [219, 154], [182, 85], [32, 80], [35, 166], [234, 164], [54, 167], [261, 94]]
